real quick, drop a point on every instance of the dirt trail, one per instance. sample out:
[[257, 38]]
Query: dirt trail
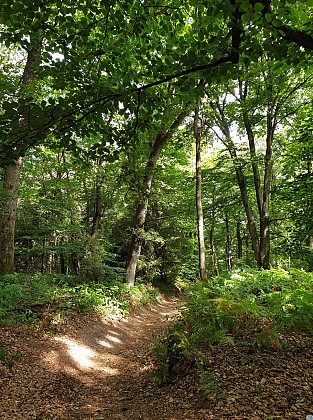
[[102, 370], [98, 371]]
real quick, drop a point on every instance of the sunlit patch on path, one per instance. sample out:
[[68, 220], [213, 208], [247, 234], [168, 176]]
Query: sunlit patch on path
[[98, 371]]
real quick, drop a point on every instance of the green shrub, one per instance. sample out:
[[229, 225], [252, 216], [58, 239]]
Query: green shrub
[[248, 306], [27, 298], [9, 359]]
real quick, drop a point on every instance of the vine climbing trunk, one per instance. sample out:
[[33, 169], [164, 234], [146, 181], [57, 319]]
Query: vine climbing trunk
[[11, 179], [200, 220], [142, 207]]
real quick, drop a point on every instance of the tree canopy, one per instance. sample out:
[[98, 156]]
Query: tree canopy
[[96, 96]]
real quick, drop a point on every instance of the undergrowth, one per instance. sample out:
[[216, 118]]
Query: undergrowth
[[248, 307], [32, 298]]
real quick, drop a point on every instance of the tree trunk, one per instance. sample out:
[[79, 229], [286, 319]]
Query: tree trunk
[[309, 240], [265, 213], [214, 267], [243, 91], [243, 191], [8, 216], [11, 181], [239, 241], [97, 212], [229, 257], [142, 208], [137, 239], [200, 222]]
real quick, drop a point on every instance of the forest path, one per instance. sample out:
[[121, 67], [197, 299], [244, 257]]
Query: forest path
[[99, 370]]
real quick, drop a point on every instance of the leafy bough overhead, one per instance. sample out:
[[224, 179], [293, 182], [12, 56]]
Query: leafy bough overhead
[[99, 66]]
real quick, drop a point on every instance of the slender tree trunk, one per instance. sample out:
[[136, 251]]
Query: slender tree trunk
[[142, 208], [214, 266], [265, 213], [99, 206], [309, 240], [63, 268], [97, 212], [262, 197], [239, 241], [229, 256], [200, 222], [247, 237], [11, 181], [243, 192], [243, 91]]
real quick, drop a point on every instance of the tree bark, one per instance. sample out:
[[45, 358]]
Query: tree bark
[[200, 221], [229, 144], [239, 241], [97, 211], [262, 197], [309, 240], [214, 266], [265, 212], [8, 216], [243, 91], [229, 256], [11, 181], [142, 207]]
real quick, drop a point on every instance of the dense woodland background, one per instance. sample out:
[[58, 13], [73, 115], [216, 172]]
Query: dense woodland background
[[103, 103], [163, 145]]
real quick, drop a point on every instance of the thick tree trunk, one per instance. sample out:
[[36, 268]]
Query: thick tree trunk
[[142, 208], [141, 212], [11, 181], [8, 216], [137, 240], [200, 222]]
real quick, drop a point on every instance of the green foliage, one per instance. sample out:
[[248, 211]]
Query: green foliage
[[9, 359], [284, 297], [33, 298], [107, 81], [209, 385], [98, 264], [255, 307]]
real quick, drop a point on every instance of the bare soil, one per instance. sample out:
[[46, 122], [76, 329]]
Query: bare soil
[[98, 369]]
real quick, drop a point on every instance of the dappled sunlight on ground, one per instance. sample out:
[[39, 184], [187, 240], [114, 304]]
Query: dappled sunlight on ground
[[97, 371], [106, 348], [81, 354]]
